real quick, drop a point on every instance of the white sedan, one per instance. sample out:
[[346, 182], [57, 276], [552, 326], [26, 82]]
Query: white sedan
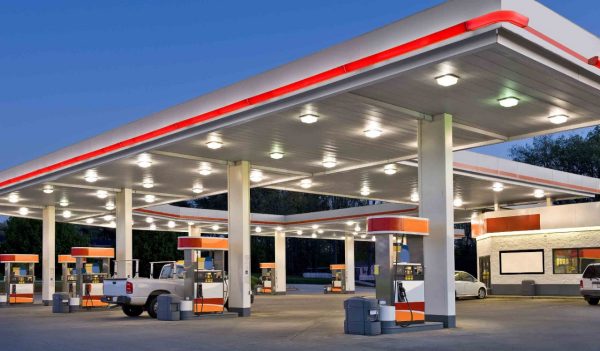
[[468, 286]]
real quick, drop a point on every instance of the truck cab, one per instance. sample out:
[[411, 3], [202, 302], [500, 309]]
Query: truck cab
[[589, 285]]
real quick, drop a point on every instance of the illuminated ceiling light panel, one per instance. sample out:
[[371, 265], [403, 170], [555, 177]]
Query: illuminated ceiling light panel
[[216, 227], [205, 170], [67, 214], [171, 224], [558, 119], [148, 183], [390, 169], [320, 231], [112, 224], [23, 211], [48, 189], [315, 226], [256, 175], [149, 198], [258, 229], [373, 238], [414, 197], [305, 183], [110, 205], [313, 235], [149, 220], [214, 144], [309, 118], [363, 236], [276, 155], [458, 202], [508, 102], [64, 202], [365, 191], [90, 176], [13, 198], [108, 218], [357, 228], [539, 193], [349, 223], [152, 226], [89, 220], [197, 188], [299, 232], [373, 132], [144, 160], [497, 187], [329, 162], [447, 80], [102, 194]]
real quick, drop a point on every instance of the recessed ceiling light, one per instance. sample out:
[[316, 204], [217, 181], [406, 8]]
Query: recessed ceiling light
[[90, 176], [102, 194], [205, 169], [373, 238], [508, 101], [144, 160], [305, 183], [315, 226], [390, 169], [299, 232], [152, 226], [373, 132], [190, 223], [365, 191], [148, 183], [447, 80], [66, 214], [149, 198], [112, 224], [357, 228], [171, 224], [214, 144], [309, 118], [313, 235], [48, 189], [23, 211], [108, 218], [258, 229], [149, 220], [355, 233], [458, 202], [63, 202], [109, 205], [329, 162], [363, 236], [539, 193], [414, 197], [558, 119], [279, 228], [216, 227], [197, 188], [277, 155], [89, 220], [13, 198], [350, 223], [497, 187], [256, 175], [320, 231]]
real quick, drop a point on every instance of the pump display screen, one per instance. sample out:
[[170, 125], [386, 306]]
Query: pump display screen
[[522, 262]]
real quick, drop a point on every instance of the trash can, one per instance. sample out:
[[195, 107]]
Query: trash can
[[186, 309], [60, 303], [528, 288], [74, 304], [168, 308], [362, 316], [3, 300]]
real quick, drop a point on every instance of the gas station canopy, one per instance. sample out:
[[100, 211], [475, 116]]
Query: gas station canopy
[[344, 121]]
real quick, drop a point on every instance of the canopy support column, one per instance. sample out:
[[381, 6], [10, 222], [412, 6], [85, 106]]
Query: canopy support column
[[436, 204], [48, 253], [238, 186], [124, 245], [280, 272], [349, 262]]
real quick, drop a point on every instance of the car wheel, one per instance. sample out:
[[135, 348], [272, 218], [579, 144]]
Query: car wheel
[[132, 311], [153, 306], [593, 300], [481, 293]]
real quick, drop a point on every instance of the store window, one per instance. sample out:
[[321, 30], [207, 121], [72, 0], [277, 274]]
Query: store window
[[574, 261]]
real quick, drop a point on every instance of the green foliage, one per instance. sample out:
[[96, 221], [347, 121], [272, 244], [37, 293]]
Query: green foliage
[[151, 246]]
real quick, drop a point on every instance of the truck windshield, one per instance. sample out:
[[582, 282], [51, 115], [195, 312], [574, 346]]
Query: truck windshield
[[180, 272], [592, 272], [166, 271]]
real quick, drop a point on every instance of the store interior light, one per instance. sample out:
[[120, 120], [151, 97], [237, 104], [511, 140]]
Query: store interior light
[[144, 160], [23, 211], [90, 176], [102, 194], [305, 183], [539, 193], [390, 169], [458, 202], [67, 214], [309, 118], [373, 132], [329, 162], [497, 187], [48, 189], [277, 155], [414, 197], [447, 80], [214, 144], [149, 198], [558, 119], [13, 198], [508, 101], [89, 220]]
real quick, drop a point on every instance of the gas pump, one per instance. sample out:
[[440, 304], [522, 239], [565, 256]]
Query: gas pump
[[399, 272], [338, 279], [69, 274], [19, 277], [205, 279], [92, 266], [266, 283]]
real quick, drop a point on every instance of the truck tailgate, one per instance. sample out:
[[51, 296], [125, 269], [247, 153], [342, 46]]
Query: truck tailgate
[[115, 287]]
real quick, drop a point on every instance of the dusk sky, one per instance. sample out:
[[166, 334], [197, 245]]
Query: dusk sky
[[73, 69]]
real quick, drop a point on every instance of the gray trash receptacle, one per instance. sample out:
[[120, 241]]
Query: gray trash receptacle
[[60, 303], [528, 288], [168, 308], [362, 316]]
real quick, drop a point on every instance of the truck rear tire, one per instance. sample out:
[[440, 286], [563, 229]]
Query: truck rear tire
[[152, 307], [593, 300], [132, 311]]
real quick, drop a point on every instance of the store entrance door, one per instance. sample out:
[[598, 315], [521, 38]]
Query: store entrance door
[[485, 275]]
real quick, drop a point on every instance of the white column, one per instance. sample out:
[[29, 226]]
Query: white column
[[238, 187], [436, 197], [280, 273], [124, 246], [48, 253], [549, 201], [349, 262]]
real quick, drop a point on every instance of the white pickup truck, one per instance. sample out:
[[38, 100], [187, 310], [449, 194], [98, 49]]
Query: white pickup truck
[[136, 295]]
